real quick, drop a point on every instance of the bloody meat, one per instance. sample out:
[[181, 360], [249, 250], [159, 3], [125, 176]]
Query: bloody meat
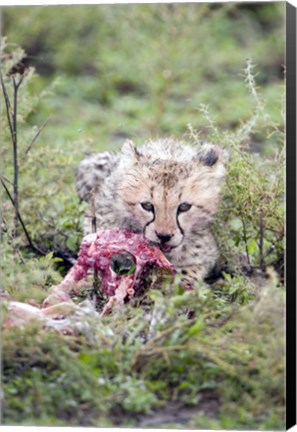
[[97, 252]]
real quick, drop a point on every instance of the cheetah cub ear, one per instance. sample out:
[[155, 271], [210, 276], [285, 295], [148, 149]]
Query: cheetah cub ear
[[129, 150], [213, 157], [210, 155]]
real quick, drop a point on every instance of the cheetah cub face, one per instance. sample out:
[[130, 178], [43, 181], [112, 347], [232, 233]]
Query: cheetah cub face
[[169, 191]]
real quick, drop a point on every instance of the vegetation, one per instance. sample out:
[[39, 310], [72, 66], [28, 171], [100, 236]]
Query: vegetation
[[83, 79]]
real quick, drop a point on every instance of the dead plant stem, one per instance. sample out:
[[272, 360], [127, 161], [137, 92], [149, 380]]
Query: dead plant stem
[[32, 246]]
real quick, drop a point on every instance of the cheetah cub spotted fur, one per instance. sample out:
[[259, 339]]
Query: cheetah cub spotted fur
[[167, 190]]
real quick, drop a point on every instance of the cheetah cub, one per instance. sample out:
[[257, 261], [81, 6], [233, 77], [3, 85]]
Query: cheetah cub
[[166, 190]]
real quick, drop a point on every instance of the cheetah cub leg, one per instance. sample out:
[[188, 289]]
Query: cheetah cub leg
[[191, 276]]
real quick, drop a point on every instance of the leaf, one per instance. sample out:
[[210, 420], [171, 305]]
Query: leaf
[[252, 246], [197, 327]]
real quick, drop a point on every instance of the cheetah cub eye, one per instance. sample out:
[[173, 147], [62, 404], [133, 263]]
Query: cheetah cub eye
[[147, 206], [183, 207]]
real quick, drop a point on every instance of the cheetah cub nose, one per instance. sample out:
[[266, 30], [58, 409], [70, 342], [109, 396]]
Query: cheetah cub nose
[[164, 238]]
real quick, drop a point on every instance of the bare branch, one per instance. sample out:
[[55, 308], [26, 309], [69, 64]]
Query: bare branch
[[7, 180], [8, 107], [15, 154], [245, 242], [12, 122], [35, 137], [97, 294], [261, 238], [32, 246], [93, 210], [16, 85]]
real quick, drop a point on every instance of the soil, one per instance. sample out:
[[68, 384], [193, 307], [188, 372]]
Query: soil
[[176, 413]]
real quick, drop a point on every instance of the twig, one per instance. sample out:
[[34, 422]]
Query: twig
[[261, 236], [7, 180], [245, 242], [16, 86], [57, 248], [8, 106], [33, 247], [35, 137], [53, 225], [12, 122], [270, 250], [6, 231], [93, 211], [96, 284]]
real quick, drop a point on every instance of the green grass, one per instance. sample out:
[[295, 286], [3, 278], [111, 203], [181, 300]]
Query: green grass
[[118, 370]]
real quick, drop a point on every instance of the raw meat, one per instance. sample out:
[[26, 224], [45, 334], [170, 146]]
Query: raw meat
[[104, 251]]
